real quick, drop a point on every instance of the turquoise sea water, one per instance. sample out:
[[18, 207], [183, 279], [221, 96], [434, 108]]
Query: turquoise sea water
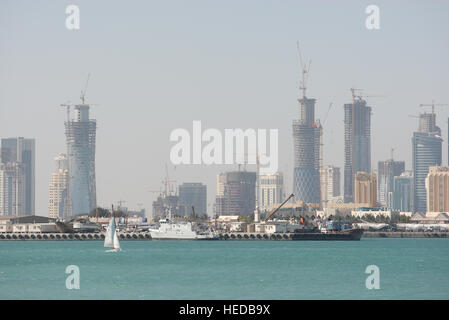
[[409, 269]]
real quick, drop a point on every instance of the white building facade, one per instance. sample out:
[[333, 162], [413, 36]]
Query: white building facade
[[329, 183], [270, 190], [58, 200]]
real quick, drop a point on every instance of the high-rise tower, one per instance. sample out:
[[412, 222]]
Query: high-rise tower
[[58, 199], [236, 193], [329, 183], [427, 152], [387, 170], [357, 142], [22, 151], [80, 133], [306, 146]]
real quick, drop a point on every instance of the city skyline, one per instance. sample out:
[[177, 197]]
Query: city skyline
[[135, 101]]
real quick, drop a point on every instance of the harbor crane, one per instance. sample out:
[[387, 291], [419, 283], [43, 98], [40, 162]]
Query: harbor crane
[[271, 214]]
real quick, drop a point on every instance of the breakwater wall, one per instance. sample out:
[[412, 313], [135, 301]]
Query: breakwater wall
[[70, 236]]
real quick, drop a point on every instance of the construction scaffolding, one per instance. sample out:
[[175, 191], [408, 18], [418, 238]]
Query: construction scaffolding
[[80, 134]]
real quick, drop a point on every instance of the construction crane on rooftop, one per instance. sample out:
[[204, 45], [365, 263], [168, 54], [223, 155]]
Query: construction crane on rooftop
[[83, 92], [360, 96], [82, 97], [321, 135], [391, 152], [305, 68], [433, 105]]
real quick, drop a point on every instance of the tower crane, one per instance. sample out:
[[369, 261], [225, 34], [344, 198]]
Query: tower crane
[[321, 134], [321, 159], [433, 105], [360, 96], [82, 97], [83, 92], [305, 68]]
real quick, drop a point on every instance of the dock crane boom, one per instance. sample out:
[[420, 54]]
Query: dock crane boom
[[280, 206]]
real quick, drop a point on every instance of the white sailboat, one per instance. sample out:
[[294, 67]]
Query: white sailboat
[[111, 238]]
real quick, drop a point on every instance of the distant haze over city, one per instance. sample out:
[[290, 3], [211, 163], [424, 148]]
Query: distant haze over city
[[158, 66]]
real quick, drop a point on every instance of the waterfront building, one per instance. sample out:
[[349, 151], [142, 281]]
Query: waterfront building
[[427, 152], [270, 190], [193, 195], [365, 189], [80, 134], [437, 187], [387, 170], [357, 135], [235, 193], [59, 201], [329, 184], [22, 151]]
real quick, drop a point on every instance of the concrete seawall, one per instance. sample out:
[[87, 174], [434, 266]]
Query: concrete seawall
[[70, 236]]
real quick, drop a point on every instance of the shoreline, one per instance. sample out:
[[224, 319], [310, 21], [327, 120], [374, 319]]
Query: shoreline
[[238, 236]]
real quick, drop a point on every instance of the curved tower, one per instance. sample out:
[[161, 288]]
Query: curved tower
[[306, 144], [80, 133]]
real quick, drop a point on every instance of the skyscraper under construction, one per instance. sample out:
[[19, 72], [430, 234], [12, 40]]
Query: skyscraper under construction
[[357, 142], [306, 144], [80, 133]]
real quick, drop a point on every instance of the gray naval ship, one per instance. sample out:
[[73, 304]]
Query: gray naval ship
[[169, 230]]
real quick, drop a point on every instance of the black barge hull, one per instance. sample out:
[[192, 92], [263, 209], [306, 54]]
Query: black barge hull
[[354, 235]]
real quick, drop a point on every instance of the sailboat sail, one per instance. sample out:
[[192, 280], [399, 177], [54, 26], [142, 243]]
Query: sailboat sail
[[109, 237], [116, 244]]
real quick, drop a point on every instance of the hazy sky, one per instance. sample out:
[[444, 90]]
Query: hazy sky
[[158, 65]]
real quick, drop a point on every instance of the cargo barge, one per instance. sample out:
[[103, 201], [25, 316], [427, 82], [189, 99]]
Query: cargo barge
[[353, 234]]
